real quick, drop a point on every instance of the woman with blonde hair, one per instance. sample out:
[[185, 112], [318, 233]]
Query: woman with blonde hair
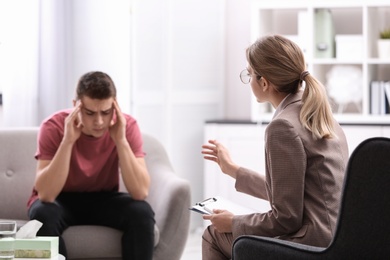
[[306, 154]]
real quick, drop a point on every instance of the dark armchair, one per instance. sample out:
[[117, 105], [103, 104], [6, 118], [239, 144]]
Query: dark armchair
[[363, 228]]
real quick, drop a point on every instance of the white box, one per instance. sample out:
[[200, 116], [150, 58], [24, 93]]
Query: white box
[[349, 47]]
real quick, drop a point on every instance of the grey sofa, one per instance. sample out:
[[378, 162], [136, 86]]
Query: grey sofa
[[169, 196]]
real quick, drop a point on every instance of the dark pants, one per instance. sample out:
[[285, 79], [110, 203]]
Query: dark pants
[[111, 209]]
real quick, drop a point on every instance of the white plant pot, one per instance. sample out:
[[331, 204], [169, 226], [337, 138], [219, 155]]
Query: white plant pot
[[384, 48]]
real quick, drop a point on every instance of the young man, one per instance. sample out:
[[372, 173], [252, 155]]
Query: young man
[[80, 153]]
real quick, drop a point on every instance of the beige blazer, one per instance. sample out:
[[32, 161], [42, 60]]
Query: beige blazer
[[302, 182]]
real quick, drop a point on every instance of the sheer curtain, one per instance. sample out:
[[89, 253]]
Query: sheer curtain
[[49, 44], [56, 86], [34, 62], [19, 61]]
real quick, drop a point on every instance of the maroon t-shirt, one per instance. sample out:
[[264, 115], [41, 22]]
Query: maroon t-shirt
[[94, 163]]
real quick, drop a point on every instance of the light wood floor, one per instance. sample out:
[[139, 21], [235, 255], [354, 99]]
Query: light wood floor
[[193, 249]]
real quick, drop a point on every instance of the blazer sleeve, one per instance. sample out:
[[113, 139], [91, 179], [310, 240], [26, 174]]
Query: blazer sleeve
[[285, 174], [251, 183]]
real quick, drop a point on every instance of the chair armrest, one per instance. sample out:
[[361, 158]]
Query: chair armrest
[[251, 247], [170, 198]]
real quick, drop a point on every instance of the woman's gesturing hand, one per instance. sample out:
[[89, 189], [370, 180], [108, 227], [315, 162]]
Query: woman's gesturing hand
[[215, 151]]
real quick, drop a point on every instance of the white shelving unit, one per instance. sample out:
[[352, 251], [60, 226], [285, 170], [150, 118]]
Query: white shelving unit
[[297, 21]]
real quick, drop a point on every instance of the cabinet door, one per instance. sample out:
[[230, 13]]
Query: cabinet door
[[356, 134], [386, 131], [246, 147]]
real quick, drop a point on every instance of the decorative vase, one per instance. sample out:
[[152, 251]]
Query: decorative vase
[[384, 48], [324, 34]]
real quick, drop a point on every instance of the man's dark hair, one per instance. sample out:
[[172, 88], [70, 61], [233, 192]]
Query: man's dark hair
[[95, 85]]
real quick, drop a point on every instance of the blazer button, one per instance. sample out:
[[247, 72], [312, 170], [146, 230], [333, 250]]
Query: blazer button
[[9, 173]]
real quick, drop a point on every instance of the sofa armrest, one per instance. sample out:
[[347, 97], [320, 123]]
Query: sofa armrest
[[170, 197]]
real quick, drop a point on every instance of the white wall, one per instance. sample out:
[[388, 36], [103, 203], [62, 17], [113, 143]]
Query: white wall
[[238, 38], [100, 40], [178, 50]]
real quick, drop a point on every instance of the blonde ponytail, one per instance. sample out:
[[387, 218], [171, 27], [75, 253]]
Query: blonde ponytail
[[316, 113]]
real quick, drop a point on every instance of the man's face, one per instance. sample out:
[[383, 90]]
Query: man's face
[[96, 115]]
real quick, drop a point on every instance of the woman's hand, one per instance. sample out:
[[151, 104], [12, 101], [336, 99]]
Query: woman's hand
[[222, 220], [216, 152]]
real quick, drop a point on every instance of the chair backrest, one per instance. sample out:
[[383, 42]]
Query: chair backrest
[[363, 228]]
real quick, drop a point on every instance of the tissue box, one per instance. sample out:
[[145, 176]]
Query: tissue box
[[39, 247]]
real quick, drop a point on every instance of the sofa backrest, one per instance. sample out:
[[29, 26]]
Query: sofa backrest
[[17, 170]]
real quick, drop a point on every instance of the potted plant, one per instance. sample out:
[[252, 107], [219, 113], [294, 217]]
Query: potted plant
[[384, 44]]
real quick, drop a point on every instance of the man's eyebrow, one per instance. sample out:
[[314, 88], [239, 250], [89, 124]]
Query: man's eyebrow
[[91, 111], [88, 110], [107, 110]]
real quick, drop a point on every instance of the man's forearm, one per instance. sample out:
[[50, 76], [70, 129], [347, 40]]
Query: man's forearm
[[52, 177], [134, 172]]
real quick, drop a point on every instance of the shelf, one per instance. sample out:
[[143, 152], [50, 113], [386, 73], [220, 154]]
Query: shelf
[[343, 119], [360, 19], [377, 61], [335, 61], [363, 120]]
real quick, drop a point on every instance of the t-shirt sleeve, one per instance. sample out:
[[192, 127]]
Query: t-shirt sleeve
[[49, 138], [134, 137]]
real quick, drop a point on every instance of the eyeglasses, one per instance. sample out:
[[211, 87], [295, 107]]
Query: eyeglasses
[[246, 77]]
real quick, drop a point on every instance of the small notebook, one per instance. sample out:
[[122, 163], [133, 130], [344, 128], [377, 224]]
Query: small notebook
[[208, 205]]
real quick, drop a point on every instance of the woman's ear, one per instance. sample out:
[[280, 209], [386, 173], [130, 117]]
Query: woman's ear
[[264, 84]]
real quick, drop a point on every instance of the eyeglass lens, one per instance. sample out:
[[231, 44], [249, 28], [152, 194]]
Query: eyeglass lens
[[245, 76]]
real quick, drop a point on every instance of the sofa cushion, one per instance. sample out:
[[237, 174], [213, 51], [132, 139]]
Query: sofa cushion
[[84, 236], [77, 237]]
